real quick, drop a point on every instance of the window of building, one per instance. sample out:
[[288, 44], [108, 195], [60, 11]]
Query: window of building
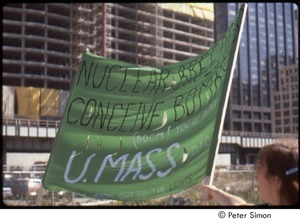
[[295, 103], [247, 127], [257, 115], [277, 114], [257, 127], [294, 95], [267, 127], [295, 129], [237, 126], [235, 92], [295, 112], [286, 121], [286, 113], [247, 115], [286, 104], [236, 114]]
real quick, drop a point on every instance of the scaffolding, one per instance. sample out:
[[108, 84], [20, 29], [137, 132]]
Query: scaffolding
[[149, 35], [43, 43], [141, 33]]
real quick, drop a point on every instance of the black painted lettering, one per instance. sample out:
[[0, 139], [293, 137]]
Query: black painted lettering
[[112, 115], [152, 81], [89, 107], [101, 81], [136, 83], [177, 107], [86, 75], [154, 114], [108, 77], [69, 109]]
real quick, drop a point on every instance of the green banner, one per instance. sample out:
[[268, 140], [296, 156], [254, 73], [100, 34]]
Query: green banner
[[135, 133]]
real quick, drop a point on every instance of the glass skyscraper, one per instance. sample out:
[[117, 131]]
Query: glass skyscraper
[[268, 43]]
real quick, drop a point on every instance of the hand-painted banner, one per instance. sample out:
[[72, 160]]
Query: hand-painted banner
[[135, 133]]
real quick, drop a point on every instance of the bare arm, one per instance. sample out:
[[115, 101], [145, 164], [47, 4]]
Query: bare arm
[[222, 197]]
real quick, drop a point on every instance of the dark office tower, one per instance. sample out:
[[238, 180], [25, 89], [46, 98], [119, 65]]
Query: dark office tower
[[268, 43]]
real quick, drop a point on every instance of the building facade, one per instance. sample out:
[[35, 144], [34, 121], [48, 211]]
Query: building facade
[[285, 101], [37, 45], [43, 43], [268, 43]]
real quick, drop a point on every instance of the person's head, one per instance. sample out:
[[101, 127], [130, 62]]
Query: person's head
[[277, 172]]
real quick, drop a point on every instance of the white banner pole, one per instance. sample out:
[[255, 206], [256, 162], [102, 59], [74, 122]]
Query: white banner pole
[[208, 180]]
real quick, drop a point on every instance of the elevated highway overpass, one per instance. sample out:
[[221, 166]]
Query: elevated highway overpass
[[37, 136]]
